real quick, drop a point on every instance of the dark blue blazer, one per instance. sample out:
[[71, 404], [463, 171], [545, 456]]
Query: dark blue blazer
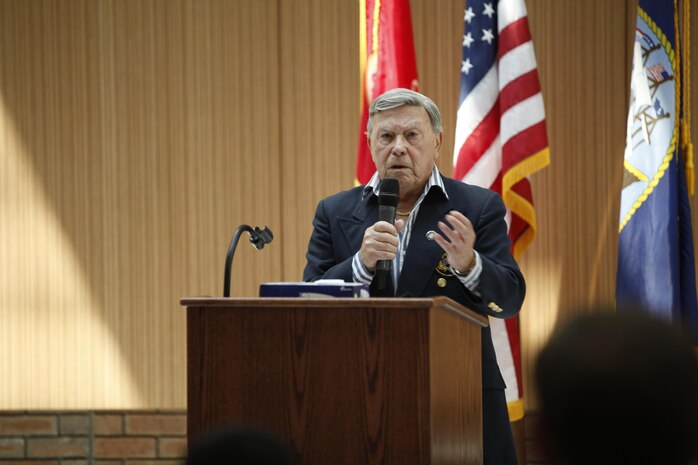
[[338, 230]]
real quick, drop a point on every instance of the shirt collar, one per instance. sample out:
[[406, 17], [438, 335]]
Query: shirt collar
[[435, 180]]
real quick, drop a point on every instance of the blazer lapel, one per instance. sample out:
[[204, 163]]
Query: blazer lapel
[[353, 228]]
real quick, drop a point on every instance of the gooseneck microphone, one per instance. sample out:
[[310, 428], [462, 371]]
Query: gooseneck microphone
[[258, 238], [388, 198]]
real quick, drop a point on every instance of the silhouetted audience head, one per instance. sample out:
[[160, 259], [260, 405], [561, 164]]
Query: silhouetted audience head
[[240, 446], [618, 389]]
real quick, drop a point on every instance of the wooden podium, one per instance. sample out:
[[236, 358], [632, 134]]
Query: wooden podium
[[345, 381]]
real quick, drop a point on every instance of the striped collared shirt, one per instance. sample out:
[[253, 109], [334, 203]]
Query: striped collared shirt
[[362, 275]]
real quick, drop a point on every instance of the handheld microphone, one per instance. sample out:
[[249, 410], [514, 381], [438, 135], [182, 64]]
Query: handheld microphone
[[387, 207]]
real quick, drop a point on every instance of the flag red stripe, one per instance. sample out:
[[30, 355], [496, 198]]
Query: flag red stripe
[[497, 184], [524, 144], [477, 142], [523, 188], [513, 35], [518, 225], [512, 325], [525, 86]]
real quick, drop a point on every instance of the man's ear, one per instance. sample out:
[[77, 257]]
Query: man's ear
[[437, 143], [370, 149]]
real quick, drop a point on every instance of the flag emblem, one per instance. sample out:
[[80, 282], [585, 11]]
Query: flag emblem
[[656, 271], [652, 132]]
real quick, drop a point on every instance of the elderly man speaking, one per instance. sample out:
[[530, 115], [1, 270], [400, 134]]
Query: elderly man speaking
[[449, 239]]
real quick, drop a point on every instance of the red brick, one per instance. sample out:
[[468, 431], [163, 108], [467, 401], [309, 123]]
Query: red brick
[[124, 447], [30, 462], [108, 425], [74, 424], [172, 447], [153, 462], [57, 447], [107, 462], [156, 424], [11, 447], [76, 462], [28, 425]]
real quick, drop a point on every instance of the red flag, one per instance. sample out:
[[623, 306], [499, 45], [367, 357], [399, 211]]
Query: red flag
[[387, 62], [501, 139]]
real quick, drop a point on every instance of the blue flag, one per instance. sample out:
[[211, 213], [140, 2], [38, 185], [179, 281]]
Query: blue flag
[[655, 252]]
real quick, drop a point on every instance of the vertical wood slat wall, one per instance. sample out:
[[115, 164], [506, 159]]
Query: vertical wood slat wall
[[136, 135]]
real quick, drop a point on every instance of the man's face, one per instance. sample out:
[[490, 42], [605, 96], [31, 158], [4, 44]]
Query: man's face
[[404, 146]]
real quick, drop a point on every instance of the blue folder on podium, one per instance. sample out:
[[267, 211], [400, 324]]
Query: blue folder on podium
[[319, 289]]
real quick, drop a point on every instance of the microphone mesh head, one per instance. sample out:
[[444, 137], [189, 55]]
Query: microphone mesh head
[[389, 192]]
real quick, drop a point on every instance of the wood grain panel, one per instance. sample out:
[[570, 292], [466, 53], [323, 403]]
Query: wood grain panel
[[581, 50], [383, 381], [438, 32], [456, 400], [137, 136], [319, 88], [345, 371]]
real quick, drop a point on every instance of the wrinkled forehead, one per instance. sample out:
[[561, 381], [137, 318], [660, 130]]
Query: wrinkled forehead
[[401, 118]]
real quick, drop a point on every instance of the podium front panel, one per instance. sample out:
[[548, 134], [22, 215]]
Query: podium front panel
[[343, 381]]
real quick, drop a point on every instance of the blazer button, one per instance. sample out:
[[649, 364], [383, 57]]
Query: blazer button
[[441, 282]]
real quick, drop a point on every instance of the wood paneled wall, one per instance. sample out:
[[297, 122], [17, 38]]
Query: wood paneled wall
[[136, 135]]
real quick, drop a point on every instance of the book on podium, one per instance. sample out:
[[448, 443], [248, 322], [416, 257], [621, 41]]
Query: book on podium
[[318, 289]]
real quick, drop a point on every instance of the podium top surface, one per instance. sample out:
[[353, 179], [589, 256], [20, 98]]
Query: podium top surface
[[389, 303]]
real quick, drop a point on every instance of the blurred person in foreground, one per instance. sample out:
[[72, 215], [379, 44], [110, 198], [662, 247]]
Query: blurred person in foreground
[[449, 239], [239, 445], [618, 389]]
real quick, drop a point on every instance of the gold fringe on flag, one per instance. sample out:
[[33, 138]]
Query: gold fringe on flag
[[362, 60], [518, 204], [686, 140], [362, 49], [682, 32]]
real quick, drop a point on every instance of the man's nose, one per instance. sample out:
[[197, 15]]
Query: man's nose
[[400, 145]]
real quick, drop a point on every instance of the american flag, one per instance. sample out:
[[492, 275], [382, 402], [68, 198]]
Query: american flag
[[657, 72], [501, 137]]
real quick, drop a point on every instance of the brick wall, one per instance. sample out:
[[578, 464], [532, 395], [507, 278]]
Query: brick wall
[[124, 438], [93, 438]]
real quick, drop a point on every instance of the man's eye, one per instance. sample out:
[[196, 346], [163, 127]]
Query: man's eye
[[385, 137]]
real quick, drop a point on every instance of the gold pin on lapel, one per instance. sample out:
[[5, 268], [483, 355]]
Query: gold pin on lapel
[[443, 269], [441, 282]]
